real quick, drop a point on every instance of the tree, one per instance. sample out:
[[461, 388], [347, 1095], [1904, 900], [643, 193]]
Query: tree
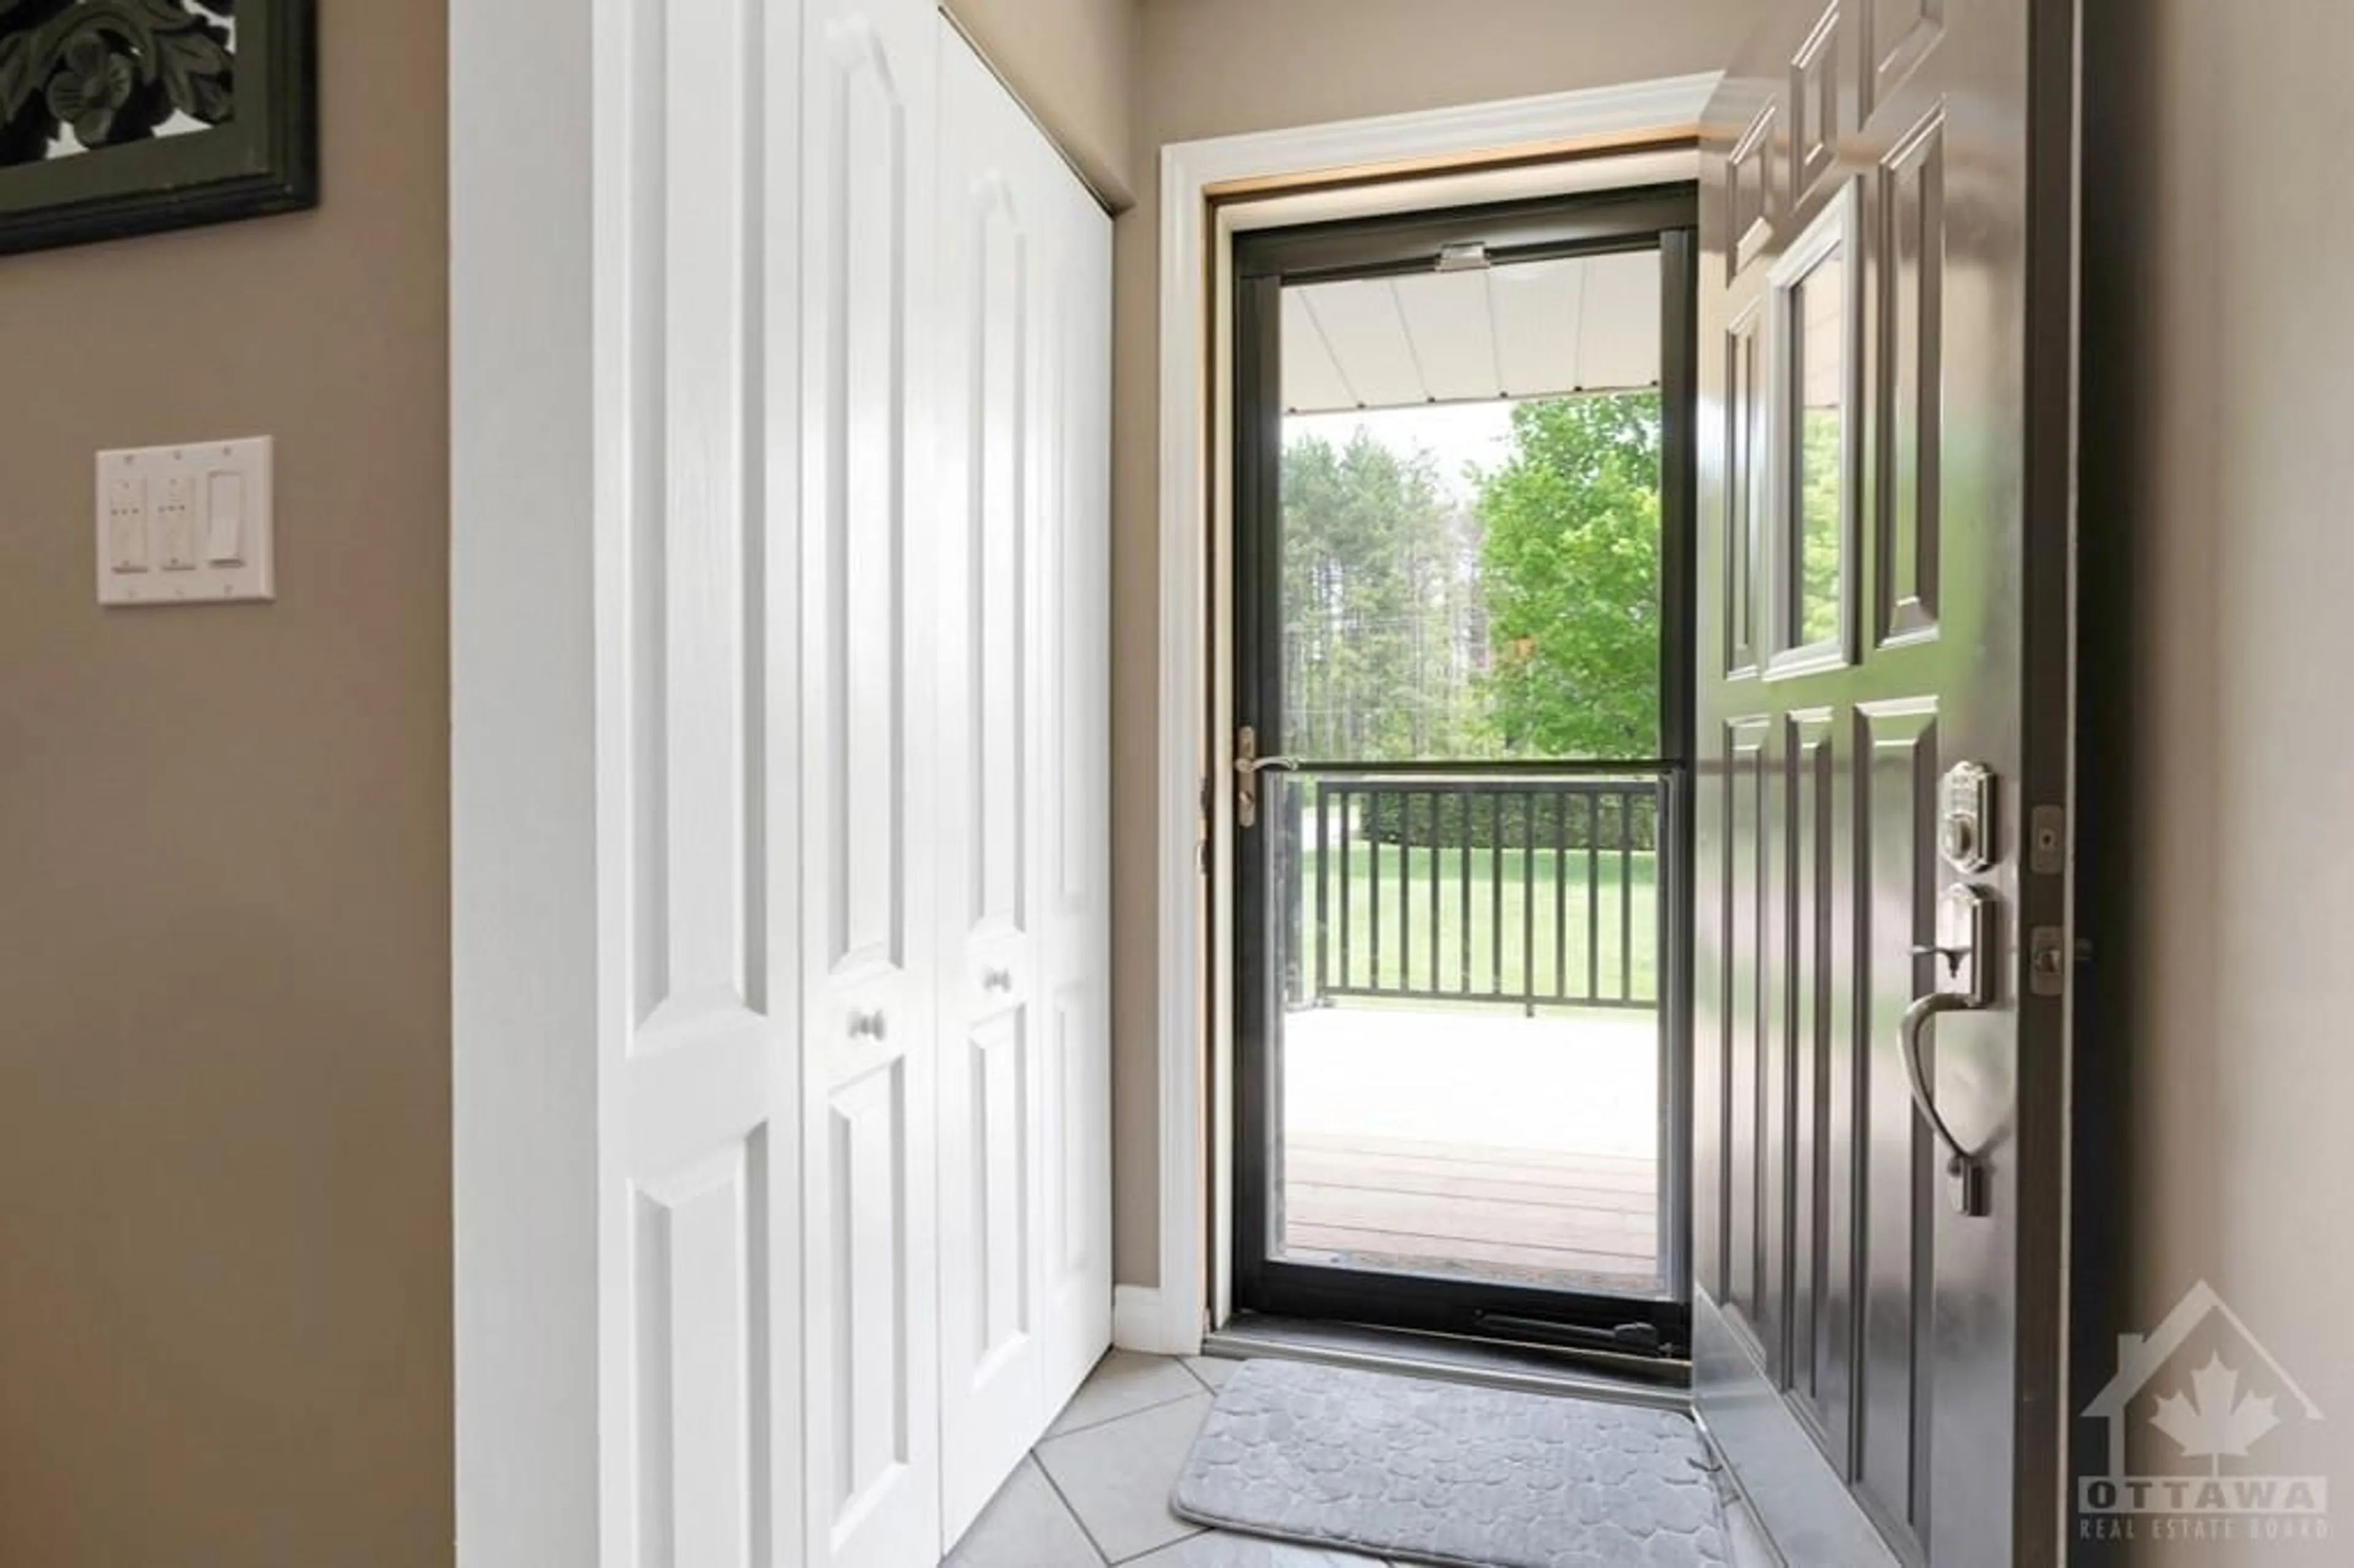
[[1380, 581], [1821, 451], [1571, 551]]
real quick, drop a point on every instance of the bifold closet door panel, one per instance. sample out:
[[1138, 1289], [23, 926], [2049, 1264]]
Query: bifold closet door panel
[[1075, 705], [997, 246], [1025, 1066], [869, 841], [698, 1293]]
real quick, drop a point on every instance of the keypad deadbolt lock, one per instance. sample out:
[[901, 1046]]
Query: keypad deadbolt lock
[[1965, 824]]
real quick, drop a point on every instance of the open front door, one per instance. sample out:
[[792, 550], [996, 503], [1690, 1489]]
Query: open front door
[[1881, 834]]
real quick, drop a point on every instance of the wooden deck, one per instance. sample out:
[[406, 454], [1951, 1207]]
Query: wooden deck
[[1570, 1221], [1474, 1142]]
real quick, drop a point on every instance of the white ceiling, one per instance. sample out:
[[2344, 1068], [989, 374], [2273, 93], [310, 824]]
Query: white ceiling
[[1535, 329]]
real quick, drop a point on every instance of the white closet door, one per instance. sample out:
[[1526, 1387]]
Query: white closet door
[[997, 240], [872, 1402], [1024, 1100], [1074, 711], [698, 1285]]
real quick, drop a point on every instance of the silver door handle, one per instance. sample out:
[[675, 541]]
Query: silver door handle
[[1965, 1170], [997, 980], [869, 1026], [1248, 765], [1964, 951]]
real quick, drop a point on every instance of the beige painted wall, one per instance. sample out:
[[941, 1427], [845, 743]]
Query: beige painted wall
[[1215, 67], [224, 1069], [2219, 365], [1072, 61]]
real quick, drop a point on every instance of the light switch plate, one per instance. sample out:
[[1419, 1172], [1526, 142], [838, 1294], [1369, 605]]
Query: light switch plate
[[186, 524]]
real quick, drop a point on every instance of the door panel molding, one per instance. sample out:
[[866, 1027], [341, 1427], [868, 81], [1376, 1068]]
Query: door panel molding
[[1898, 36], [1819, 95], [1896, 761], [1746, 845], [1912, 389], [864, 260], [1818, 974], [699, 1247], [1750, 188]]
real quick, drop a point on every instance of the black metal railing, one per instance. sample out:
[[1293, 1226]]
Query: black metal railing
[[1472, 882]]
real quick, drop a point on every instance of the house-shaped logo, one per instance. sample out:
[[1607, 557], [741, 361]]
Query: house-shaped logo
[[2210, 1415]]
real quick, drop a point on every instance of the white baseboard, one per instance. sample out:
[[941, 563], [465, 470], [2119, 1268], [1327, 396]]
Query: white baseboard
[[1141, 1321]]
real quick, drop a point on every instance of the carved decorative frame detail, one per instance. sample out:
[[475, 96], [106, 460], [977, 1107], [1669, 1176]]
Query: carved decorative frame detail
[[121, 117]]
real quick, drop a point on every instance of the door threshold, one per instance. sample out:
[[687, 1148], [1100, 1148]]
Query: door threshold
[[1449, 1358]]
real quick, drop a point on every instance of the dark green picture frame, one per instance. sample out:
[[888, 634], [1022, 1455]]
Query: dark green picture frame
[[263, 158]]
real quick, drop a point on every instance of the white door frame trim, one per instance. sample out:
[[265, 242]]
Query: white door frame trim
[[1169, 1318], [531, 537]]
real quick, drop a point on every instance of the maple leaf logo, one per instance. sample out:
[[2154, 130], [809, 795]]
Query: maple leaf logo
[[2216, 1421]]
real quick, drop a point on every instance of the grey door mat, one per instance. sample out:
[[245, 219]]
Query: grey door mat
[[1441, 1472]]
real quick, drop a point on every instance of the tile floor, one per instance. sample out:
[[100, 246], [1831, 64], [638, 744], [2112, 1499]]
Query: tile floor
[[1096, 1489]]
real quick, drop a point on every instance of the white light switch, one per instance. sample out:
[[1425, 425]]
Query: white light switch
[[224, 518], [175, 525], [186, 524], [126, 521]]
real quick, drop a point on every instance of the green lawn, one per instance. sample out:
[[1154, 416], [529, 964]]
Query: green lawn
[[1540, 921]]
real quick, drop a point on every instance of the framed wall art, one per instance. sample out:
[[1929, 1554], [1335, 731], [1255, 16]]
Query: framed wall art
[[121, 117]]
